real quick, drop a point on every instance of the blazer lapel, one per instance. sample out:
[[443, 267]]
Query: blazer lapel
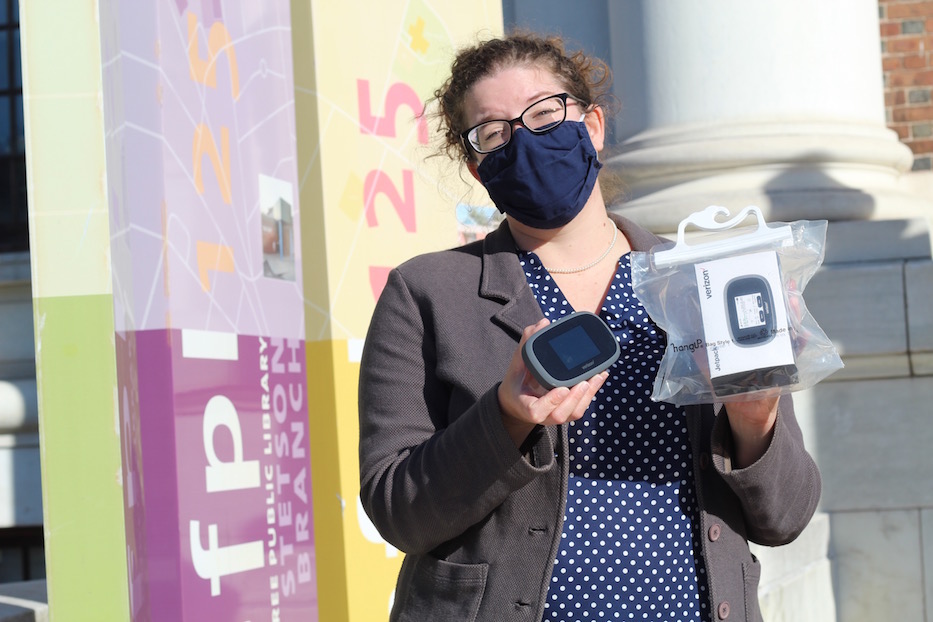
[[503, 280]]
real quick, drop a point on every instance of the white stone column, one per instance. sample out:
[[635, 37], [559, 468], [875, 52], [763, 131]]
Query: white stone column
[[781, 104], [778, 104]]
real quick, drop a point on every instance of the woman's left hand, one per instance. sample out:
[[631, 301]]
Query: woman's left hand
[[753, 421], [752, 424]]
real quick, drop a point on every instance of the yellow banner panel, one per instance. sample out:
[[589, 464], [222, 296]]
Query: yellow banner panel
[[371, 198]]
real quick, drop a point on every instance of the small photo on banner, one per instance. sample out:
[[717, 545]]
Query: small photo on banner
[[276, 199]]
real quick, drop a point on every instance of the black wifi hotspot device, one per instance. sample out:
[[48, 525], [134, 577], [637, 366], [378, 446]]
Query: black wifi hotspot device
[[750, 306], [571, 349]]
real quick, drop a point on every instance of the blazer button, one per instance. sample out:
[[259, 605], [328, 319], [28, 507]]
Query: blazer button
[[704, 460], [723, 610], [714, 532]]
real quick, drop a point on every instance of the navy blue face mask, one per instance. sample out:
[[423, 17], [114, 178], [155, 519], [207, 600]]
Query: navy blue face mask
[[542, 180]]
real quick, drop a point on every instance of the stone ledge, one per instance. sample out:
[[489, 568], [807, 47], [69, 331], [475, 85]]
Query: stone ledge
[[871, 440], [860, 306], [873, 368], [877, 558], [922, 363], [877, 240], [26, 601], [918, 279]]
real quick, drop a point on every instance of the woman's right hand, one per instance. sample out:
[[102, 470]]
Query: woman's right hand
[[526, 404]]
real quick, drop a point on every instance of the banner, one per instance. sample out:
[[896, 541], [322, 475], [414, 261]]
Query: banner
[[202, 291], [372, 196], [208, 310]]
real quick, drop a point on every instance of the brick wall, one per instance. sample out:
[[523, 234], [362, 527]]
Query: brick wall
[[907, 58]]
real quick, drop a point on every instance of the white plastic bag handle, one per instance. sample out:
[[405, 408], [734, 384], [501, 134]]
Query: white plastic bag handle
[[685, 253]]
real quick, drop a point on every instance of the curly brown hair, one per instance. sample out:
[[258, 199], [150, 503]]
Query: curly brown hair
[[585, 77]]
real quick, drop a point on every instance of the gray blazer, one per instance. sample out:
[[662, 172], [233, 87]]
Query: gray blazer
[[479, 520]]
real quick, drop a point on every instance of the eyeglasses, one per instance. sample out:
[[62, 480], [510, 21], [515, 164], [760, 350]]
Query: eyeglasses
[[539, 118]]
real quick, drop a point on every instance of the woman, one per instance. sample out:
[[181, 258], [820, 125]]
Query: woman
[[590, 502]]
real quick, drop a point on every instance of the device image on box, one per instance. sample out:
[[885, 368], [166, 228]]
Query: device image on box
[[751, 311], [745, 323]]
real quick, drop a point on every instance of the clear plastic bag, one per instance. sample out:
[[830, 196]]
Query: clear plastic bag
[[733, 310]]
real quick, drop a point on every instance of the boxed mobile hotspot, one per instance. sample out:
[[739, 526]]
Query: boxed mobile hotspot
[[731, 306], [745, 323]]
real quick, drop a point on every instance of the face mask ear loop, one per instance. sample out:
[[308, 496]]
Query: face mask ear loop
[[582, 119]]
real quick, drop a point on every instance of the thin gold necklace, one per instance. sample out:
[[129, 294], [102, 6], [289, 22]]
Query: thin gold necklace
[[615, 235]]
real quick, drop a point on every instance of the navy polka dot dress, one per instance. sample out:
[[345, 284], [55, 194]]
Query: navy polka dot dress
[[627, 547]]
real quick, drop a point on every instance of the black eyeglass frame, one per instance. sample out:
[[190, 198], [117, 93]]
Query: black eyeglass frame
[[465, 135]]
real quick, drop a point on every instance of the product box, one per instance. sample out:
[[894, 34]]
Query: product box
[[745, 323]]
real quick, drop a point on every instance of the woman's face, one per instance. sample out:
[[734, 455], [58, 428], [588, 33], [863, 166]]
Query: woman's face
[[506, 93]]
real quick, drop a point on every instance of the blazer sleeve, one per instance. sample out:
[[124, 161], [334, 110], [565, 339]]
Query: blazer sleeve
[[426, 479], [779, 493]]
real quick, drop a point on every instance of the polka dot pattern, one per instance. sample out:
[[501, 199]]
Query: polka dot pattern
[[627, 547]]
